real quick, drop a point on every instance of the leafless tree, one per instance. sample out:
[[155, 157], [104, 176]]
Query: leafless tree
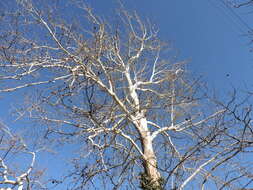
[[15, 174], [138, 118]]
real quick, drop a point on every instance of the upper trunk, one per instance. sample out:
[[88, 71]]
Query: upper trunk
[[151, 178]]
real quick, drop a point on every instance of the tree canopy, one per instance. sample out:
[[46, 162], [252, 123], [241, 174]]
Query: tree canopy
[[109, 89]]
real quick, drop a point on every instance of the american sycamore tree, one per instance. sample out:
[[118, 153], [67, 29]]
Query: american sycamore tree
[[111, 88], [14, 149]]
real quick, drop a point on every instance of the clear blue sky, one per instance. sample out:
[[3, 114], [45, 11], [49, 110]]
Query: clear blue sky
[[201, 31]]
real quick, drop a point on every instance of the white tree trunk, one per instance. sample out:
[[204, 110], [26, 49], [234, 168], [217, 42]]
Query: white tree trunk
[[149, 157]]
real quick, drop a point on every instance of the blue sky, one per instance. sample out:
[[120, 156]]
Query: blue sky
[[209, 37], [204, 32], [201, 32]]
